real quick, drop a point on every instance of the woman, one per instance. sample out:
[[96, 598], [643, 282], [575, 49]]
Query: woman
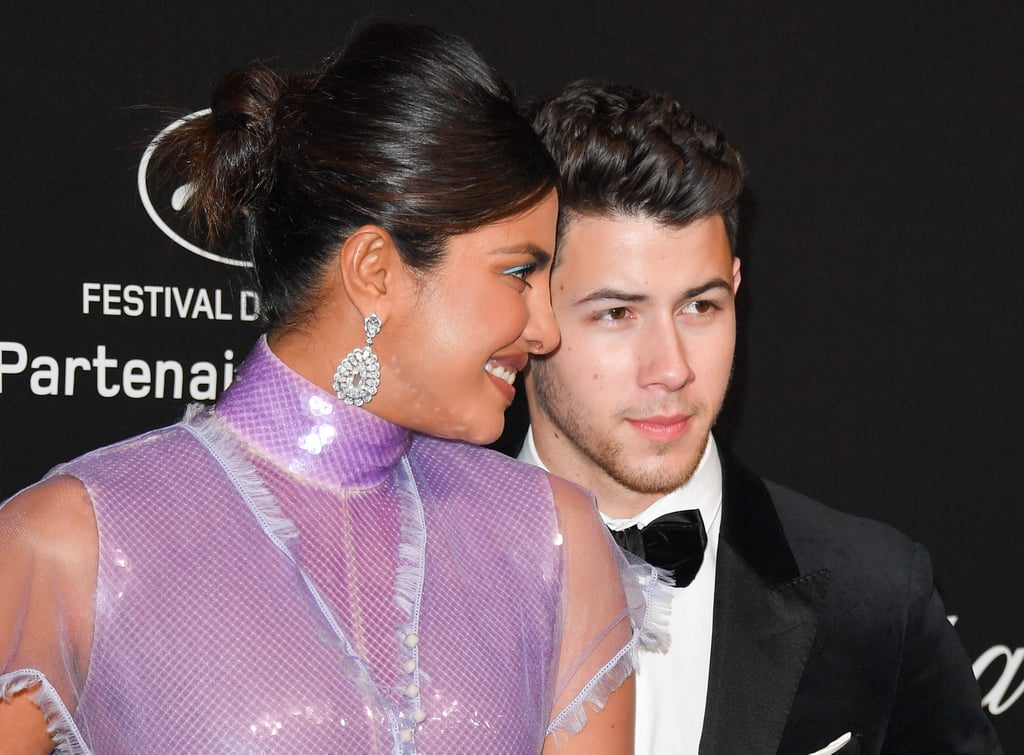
[[314, 565]]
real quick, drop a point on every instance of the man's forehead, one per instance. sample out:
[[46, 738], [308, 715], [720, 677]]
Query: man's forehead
[[640, 251]]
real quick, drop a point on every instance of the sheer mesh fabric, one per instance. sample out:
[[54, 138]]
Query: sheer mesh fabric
[[289, 574], [356, 581], [596, 630]]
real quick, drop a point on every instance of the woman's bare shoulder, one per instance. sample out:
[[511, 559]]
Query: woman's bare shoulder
[[51, 520]]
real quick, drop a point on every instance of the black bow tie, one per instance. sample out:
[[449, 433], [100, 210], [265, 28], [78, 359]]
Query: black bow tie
[[674, 542]]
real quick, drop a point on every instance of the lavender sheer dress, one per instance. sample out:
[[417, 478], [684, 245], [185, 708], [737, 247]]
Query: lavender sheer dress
[[288, 574]]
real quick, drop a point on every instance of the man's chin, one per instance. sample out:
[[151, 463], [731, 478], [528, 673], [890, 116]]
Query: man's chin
[[664, 467]]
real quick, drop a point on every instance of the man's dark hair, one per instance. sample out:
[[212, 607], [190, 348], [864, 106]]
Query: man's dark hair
[[622, 151]]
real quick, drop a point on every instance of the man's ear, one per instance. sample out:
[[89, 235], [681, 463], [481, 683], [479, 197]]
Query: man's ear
[[370, 268], [736, 277]]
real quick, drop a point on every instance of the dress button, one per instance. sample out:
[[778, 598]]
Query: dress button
[[412, 690], [419, 715], [409, 666], [412, 640], [405, 735]]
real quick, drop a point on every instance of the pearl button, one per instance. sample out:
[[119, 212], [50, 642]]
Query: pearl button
[[419, 715], [412, 690], [409, 666], [412, 640], [405, 735]]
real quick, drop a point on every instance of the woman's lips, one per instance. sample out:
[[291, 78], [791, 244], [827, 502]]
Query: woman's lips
[[507, 390], [503, 376]]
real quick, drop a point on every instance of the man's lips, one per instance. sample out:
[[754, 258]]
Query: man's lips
[[662, 428]]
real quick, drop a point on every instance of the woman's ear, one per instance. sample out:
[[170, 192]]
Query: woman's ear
[[370, 267]]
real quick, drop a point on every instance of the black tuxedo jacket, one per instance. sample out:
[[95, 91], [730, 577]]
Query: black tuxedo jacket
[[826, 624]]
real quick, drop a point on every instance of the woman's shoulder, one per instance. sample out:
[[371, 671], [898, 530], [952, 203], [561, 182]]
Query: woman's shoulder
[[50, 551], [56, 513], [48, 535], [148, 454], [47, 517], [573, 498]]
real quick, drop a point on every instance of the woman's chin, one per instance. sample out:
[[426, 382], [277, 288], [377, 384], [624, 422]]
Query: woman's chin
[[477, 433]]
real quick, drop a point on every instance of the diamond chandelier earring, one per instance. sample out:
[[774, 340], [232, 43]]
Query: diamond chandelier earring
[[358, 376]]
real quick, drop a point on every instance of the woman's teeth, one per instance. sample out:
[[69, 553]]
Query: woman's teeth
[[505, 373]]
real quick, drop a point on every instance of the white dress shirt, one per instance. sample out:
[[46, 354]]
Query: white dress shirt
[[671, 687]]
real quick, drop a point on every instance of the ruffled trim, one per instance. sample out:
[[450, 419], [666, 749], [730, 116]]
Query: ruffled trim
[[654, 593], [67, 739], [413, 541], [573, 717], [409, 578], [202, 423], [649, 603]]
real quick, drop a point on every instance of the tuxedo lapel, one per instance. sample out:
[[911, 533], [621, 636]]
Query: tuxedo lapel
[[766, 617]]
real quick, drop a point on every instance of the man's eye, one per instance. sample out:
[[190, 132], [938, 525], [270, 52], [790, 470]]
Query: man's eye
[[522, 272], [616, 313], [700, 307]]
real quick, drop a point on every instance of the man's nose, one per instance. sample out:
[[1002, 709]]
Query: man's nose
[[663, 359]]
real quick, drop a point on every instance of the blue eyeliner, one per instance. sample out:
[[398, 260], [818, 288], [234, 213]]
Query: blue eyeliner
[[521, 271]]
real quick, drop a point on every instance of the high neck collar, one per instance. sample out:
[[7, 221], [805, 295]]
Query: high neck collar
[[306, 430]]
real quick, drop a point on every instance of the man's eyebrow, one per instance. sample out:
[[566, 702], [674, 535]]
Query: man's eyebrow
[[615, 294], [715, 283], [612, 294]]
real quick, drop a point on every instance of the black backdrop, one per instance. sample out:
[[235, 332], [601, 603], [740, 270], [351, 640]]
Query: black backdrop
[[878, 365]]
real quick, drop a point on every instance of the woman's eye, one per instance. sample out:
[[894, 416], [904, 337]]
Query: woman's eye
[[522, 272]]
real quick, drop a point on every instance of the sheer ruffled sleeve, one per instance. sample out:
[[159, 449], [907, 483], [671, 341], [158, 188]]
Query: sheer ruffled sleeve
[[49, 552], [610, 609]]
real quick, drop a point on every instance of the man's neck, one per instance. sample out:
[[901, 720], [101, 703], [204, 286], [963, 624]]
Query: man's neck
[[616, 501]]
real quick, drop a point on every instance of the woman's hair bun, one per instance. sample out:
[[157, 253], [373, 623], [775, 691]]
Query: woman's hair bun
[[227, 155]]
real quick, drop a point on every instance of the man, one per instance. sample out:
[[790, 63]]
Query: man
[[804, 630]]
